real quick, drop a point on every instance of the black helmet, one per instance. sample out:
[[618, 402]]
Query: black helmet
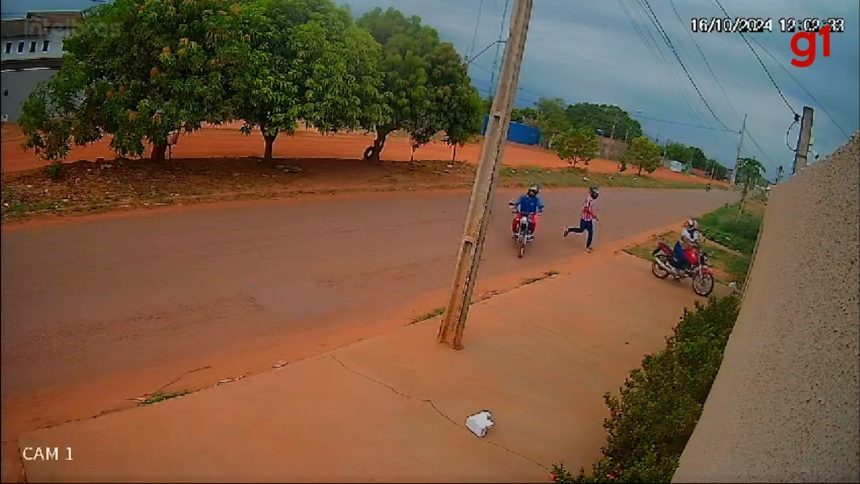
[[534, 189], [594, 191]]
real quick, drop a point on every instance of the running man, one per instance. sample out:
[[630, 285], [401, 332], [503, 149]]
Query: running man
[[587, 219]]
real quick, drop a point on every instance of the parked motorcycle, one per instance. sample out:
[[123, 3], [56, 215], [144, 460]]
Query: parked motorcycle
[[698, 270], [522, 237]]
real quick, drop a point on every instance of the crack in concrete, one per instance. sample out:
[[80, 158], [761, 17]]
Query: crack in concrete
[[433, 405], [395, 391]]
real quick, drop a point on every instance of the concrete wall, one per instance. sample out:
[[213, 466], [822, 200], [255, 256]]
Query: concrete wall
[[55, 38], [16, 86], [784, 406]]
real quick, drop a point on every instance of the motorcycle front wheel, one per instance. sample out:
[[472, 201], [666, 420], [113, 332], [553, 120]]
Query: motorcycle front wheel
[[703, 284]]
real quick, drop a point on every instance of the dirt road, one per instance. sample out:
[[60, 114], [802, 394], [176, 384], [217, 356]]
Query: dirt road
[[98, 311]]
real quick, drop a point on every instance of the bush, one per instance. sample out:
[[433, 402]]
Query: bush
[[660, 403], [54, 171]]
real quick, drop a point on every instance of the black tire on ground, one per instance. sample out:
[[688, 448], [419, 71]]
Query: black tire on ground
[[703, 284]]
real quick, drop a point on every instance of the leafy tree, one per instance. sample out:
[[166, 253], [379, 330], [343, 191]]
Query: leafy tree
[[643, 154], [577, 144], [750, 173], [611, 120], [463, 124], [551, 119], [423, 80], [525, 115], [692, 155], [137, 70], [307, 61]]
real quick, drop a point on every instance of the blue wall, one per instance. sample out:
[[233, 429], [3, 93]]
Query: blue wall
[[518, 132]]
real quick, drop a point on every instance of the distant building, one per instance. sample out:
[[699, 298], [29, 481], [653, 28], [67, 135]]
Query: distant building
[[31, 50], [676, 166]]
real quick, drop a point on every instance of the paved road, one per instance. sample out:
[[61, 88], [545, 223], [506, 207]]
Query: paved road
[[85, 299]]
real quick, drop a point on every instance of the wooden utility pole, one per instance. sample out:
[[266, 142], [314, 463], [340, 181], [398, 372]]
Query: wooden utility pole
[[738, 155], [803, 140], [469, 256]]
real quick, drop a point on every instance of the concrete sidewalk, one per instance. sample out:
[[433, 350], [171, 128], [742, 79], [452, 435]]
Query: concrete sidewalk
[[393, 408]]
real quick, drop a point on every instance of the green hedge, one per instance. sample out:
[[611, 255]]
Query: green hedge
[[660, 403]]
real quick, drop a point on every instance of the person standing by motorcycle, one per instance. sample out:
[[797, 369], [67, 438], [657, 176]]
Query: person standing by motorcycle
[[587, 218], [686, 244], [528, 205]]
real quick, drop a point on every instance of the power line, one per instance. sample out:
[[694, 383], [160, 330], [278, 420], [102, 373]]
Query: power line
[[495, 42], [678, 58], [501, 31], [680, 86], [725, 130], [802, 87], [760, 150], [475, 33], [704, 58], [772, 80]]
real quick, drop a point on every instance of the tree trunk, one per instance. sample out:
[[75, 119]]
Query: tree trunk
[[372, 152], [639, 173], [270, 143], [158, 151], [454, 153]]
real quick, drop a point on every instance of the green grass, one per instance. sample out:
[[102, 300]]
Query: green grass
[[573, 177], [160, 397], [725, 227], [428, 315]]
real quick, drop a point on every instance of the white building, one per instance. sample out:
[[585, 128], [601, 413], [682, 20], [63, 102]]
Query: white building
[[31, 50]]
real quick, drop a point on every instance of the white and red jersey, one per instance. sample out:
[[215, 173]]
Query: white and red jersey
[[589, 211]]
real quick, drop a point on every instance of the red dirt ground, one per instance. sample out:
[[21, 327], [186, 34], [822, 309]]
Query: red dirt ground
[[228, 141]]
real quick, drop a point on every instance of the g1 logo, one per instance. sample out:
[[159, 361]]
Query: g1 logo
[[806, 56]]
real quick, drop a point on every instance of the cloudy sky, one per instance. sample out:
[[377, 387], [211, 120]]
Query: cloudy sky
[[600, 51]]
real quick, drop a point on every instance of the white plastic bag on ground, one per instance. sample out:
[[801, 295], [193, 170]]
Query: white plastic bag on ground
[[480, 422]]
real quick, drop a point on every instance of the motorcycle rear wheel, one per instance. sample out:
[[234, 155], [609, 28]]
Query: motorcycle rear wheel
[[658, 271]]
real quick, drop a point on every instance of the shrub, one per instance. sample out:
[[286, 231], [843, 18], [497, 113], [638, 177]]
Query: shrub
[[657, 409], [54, 171]]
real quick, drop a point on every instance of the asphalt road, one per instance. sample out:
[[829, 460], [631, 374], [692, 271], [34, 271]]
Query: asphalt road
[[84, 299]]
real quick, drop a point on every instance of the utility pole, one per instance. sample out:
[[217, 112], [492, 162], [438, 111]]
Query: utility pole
[[477, 219], [738, 156], [803, 140]]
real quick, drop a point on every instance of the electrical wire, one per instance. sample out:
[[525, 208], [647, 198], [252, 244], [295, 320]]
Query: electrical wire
[[475, 33], [684, 67], [816, 101], [679, 85], [496, 60], [725, 130], [705, 58], [786, 135], [752, 138], [766, 71], [469, 61]]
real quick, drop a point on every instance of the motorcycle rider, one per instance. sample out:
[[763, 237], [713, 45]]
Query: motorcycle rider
[[686, 245], [528, 205]]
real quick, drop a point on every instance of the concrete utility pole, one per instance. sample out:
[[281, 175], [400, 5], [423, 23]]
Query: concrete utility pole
[[738, 155], [469, 256], [803, 140]]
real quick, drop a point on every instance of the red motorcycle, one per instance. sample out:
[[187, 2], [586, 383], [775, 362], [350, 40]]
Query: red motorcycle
[[698, 270]]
